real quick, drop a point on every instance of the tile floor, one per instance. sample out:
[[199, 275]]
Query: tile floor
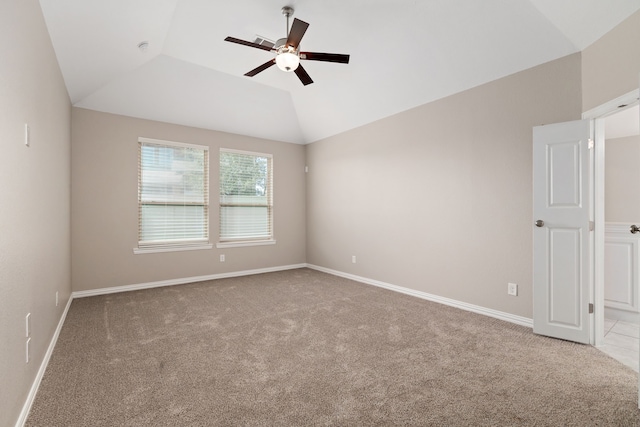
[[622, 342]]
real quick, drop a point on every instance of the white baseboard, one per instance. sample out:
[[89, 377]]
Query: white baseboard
[[22, 419], [181, 281], [613, 313], [512, 318]]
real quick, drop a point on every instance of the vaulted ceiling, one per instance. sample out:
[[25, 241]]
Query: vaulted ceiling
[[404, 53]]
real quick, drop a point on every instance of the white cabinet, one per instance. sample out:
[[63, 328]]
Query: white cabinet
[[621, 275]]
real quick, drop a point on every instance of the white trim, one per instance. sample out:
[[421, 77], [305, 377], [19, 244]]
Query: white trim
[[22, 419], [244, 243], [629, 99], [172, 143], [621, 314], [169, 248], [512, 318], [596, 179], [182, 281]]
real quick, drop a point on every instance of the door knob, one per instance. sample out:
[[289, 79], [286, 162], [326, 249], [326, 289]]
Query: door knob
[[540, 223], [634, 229]]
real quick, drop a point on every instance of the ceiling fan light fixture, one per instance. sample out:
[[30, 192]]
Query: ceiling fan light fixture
[[287, 61]]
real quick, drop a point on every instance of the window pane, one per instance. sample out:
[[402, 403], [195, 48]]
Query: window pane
[[245, 222], [173, 194], [167, 222], [245, 196], [172, 174], [242, 174]]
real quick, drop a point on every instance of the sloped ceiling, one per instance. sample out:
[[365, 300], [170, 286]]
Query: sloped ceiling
[[404, 53]]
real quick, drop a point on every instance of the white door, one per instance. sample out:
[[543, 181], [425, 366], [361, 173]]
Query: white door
[[562, 255]]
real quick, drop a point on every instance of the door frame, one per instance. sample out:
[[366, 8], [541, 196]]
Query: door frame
[[598, 115]]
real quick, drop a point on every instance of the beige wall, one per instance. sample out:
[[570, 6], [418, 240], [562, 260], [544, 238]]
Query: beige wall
[[622, 179], [34, 184], [611, 65], [439, 198], [104, 204]]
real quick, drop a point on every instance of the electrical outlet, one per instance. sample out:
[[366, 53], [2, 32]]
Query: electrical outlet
[[28, 350], [353, 259], [512, 289], [28, 325], [221, 257]]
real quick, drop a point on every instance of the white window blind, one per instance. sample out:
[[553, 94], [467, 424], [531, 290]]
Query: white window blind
[[173, 193], [246, 196]]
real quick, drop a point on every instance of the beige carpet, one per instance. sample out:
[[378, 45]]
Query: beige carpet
[[305, 348]]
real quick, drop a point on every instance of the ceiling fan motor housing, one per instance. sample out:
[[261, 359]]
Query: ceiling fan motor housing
[[280, 43]]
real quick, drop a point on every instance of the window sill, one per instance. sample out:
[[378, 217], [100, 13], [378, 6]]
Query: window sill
[[177, 248], [243, 243]]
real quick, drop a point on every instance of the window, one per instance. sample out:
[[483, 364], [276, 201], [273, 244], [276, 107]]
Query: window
[[173, 196], [246, 197]]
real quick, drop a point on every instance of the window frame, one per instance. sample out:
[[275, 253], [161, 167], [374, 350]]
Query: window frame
[[253, 241], [151, 246]]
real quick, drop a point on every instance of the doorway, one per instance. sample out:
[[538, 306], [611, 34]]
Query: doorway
[[616, 127], [561, 166], [621, 253]]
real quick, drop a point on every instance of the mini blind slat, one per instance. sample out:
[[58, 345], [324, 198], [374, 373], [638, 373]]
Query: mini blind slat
[[245, 196], [173, 193]]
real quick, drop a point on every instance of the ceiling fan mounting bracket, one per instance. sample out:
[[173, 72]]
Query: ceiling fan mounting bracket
[[287, 11]]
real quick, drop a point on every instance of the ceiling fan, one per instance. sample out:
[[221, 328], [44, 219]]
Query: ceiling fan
[[288, 53]]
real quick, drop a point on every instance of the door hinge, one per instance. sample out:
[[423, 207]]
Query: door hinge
[[592, 225], [590, 143], [590, 308]]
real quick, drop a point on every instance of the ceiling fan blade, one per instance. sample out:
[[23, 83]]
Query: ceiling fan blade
[[327, 57], [302, 75], [297, 31], [246, 43], [261, 68]]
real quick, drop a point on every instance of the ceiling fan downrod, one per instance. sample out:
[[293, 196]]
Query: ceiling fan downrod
[[287, 11]]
